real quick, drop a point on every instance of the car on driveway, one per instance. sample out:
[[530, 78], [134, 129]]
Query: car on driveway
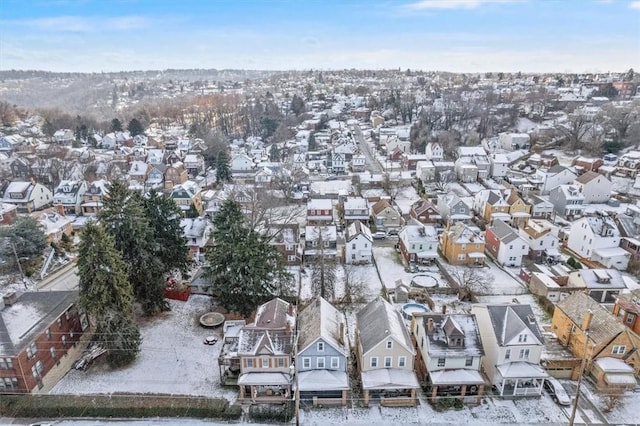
[[557, 391], [379, 235]]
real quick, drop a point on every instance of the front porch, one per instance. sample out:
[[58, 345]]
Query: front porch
[[467, 385], [390, 387], [264, 387], [519, 379]]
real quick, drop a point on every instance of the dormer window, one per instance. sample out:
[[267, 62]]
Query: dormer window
[[522, 338], [389, 344]]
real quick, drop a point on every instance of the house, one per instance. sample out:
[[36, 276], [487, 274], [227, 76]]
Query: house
[[453, 208], [567, 201], [553, 177], [63, 136], [470, 157], [355, 209], [69, 195], [241, 164], [322, 355], [434, 151], [425, 212], [519, 210], [504, 244], [592, 333], [92, 198], [627, 310], [263, 176], [598, 239], [40, 339], [175, 174], [385, 355], [542, 238], [8, 143], [499, 165], [418, 243], [155, 177], [194, 164], [461, 245], [197, 233], [426, 171], [513, 345], [595, 187], [139, 171], [8, 213], [358, 244], [321, 242], [541, 208], [513, 141], [449, 355], [491, 204], [187, 194], [319, 211], [466, 170], [385, 217], [603, 285], [358, 163], [286, 239], [589, 164], [20, 168], [265, 352], [53, 224], [27, 196]]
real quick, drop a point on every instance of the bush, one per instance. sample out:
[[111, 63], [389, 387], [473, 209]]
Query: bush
[[271, 412]]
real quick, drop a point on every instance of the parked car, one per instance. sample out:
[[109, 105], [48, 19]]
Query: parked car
[[379, 235], [557, 392]]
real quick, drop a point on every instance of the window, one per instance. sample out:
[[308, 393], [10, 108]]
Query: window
[[306, 362], [353, 257], [280, 362], [511, 247], [320, 346], [265, 362], [461, 256], [524, 353], [37, 368], [250, 362], [388, 362], [320, 362], [366, 245], [374, 362], [9, 383], [507, 354], [326, 244], [52, 351], [468, 362], [6, 363], [630, 318], [59, 322], [619, 350], [441, 362], [335, 362], [389, 344], [289, 247], [48, 333], [402, 361], [64, 341], [422, 342], [291, 258], [522, 338], [32, 350], [464, 247], [353, 246]]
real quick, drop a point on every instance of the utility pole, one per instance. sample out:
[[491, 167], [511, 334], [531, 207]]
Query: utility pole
[[15, 253], [586, 324]]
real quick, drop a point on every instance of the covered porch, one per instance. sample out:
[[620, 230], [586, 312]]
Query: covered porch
[[390, 386], [323, 387], [264, 387], [460, 383], [520, 379]]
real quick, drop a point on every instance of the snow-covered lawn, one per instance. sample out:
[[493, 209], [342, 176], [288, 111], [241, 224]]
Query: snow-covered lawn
[[405, 198], [172, 359], [364, 275], [391, 269]]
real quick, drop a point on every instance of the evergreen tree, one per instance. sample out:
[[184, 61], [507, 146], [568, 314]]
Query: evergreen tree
[[135, 128], [193, 212], [116, 126], [107, 296], [223, 170], [26, 237], [169, 244], [124, 217], [297, 105], [245, 270]]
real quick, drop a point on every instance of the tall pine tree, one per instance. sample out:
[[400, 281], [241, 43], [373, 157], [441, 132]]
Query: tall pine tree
[[223, 170], [107, 296], [245, 270]]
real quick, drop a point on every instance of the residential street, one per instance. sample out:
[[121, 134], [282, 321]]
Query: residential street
[[372, 164], [63, 279]]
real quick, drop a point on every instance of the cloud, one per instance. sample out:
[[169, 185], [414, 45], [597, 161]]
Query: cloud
[[634, 5], [84, 24], [454, 4]]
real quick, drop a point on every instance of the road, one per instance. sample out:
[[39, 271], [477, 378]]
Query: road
[[372, 164], [63, 279], [587, 411]]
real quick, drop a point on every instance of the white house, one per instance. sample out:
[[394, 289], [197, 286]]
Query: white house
[[554, 177], [434, 151], [513, 345], [504, 244], [598, 239], [241, 163], [358, 243], [69, 195], [499, 165], [27, 196], [511, 141], [595, 187], [542, 238]]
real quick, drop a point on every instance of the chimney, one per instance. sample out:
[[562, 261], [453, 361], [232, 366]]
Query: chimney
[[10, 298], [341, 336], [444, 309], [430, 326]]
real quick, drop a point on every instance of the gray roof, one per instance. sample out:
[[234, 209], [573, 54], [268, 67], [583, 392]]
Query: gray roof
[[510, 320], [604, 326], [30, 316], [378, 321], [504, 232], [320, 319], [450, 324]]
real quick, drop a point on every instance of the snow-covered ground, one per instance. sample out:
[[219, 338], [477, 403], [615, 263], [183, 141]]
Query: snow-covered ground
[[172, 359], [391, 268], [364, 275]]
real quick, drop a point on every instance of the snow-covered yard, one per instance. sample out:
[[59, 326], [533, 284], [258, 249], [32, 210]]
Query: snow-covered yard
[[391, 269], [172, 359]]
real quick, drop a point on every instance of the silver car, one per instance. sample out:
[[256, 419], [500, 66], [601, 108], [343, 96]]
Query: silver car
[[557, 392]]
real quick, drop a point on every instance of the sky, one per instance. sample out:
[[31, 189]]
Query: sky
[[444, 35]]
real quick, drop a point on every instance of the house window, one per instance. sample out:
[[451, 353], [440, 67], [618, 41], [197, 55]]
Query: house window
[[249, 362], [630, 318], [6, 364], [52, 351], [306, 362], [463, 247], [326, 244], [468, 362], [619, 350], [320, 346], [265, 362], [280, 362], [353, 246], [9, 383], [320, 362], [67, 315], [366, 245], [402, 361], [524, 353], [59, 322], [389, 344], [522, 338], [388, 362], [507, 354], [64, 341], [374, 362], [335, 362], [32, 350], [291, 258], [461, 257], [441, 362], [37, 369], [289, 247], [48, 333], [353, 257]]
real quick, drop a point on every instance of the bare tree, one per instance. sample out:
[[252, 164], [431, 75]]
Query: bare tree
[[575, 130], [443, 181], [355, 288], [471, 282], [323, 268], [612, 400]]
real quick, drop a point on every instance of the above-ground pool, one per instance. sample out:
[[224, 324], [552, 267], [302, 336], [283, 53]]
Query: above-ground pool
[[409, 309]]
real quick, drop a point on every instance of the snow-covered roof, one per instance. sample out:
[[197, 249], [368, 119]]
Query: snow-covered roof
[[389, 378], [378, 321], [320, 320], [456, 377], [521, 369], [510, 320], [319, 380], [441, 341]]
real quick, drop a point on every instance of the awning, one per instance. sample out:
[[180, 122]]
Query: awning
[[521, 370], [620, 379], [322, 380], [264, 379], [476, 255], [389, 378], [427, 255], [456, 377]]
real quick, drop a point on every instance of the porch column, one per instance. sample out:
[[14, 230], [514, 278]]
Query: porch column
[[242, 392], [434, 393], [463, 391], [344, 397], [413, 395], [515, 387], [366, 398]]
